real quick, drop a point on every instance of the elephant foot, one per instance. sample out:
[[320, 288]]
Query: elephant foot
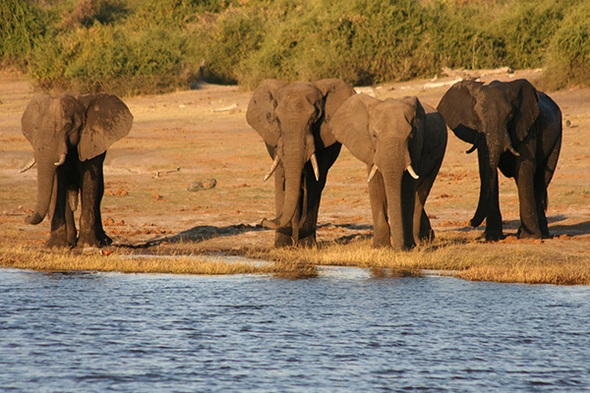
[[91, 240], [427, 237], [59, 242], [525, 234], [308, 242], [282, 240], [493, 235], [381, 243], [270, 224]]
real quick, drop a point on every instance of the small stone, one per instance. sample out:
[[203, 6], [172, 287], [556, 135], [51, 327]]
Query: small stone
[[202, 185]]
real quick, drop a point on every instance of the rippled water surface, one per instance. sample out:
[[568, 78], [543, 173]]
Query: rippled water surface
[[347, 330]]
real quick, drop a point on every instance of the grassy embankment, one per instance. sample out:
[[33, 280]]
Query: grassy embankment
[[452, 254]]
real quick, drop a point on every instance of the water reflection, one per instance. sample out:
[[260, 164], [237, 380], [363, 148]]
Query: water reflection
[[340, 330]]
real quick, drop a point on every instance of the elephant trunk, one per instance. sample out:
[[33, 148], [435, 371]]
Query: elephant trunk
[[399, 191], [46, 171], [293, 162]]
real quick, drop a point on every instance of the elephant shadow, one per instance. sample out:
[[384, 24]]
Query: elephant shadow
[[571, 230], [200, 234], [360, 233]]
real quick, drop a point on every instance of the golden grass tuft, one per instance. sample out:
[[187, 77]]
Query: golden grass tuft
[[458, 255], [121, 261]]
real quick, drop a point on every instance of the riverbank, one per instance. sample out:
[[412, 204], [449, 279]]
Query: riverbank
[[152, 206]]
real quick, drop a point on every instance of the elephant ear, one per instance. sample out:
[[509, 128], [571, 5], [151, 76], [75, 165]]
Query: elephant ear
[[261, 111], [350, 126], [457, 108], [335, 92], [108, 119], [34, 111], [526, 108], [416, 112]]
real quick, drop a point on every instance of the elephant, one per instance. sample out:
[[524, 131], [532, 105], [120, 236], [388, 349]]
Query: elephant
[[292, 119], [403, 143], [514, 128], [70, 135]]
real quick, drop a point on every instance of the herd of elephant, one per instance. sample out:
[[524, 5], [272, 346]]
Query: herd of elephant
[[512, 126]]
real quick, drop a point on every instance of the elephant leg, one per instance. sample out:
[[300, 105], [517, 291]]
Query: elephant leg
[[528, 206], [313, 192], [422, 229], [493, 231], [92, 189], [59, 231], [72, 234], [543, 177], [378, 199], [541, 203]]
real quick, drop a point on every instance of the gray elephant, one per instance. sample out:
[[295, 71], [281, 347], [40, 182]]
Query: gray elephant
[[70, 135], [403, 144], [293, 120], [517, 129]]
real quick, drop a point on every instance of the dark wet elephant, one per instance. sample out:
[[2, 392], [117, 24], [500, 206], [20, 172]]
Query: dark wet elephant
[[293, 120], [514, 128], [403, 144], [70, 135]]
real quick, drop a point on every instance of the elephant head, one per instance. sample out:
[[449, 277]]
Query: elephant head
[[389, 137], [58, 127], [496, 118], [292, 119]]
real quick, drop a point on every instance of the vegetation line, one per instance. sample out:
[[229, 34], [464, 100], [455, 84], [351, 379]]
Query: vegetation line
[[463, 258], [136, 47]]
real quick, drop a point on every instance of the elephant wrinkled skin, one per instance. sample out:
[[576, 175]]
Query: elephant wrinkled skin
[[70, 135], [514, 128], [293, 120], [403, 144]]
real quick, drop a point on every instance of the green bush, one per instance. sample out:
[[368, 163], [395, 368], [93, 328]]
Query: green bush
[[134, 47], [22, 24], [568, 56]]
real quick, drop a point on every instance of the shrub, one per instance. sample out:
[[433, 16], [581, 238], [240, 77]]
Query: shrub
[[152, 46], [568, 56], [22, 25]]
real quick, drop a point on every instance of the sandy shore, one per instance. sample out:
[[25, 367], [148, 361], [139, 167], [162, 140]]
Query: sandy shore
[[187, 137]]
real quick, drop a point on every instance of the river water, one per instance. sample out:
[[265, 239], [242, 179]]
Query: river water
[[346, 330]]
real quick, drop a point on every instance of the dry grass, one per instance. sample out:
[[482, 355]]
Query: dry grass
[[521, 262], [459, 255], [23, 257]]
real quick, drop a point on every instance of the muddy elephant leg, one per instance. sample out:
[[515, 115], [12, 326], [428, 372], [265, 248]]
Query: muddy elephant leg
[[529, 220], [59, 232], [326, 158], [63, 226], [381, 230], [91, 190], [541, 203], [282, 234], [422, 229]]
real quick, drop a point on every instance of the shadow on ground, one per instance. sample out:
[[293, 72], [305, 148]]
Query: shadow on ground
[[199, 234]]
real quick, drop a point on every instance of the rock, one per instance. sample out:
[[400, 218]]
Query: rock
[[202, 185]]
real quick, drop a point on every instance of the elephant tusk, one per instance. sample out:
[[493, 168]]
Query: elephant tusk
[[28, 166], [373, 171], [412, 172], [513, 151], [472, 149], [314, 165], [62, 159], [273, 167]]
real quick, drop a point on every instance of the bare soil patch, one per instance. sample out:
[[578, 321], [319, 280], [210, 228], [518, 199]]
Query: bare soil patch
[[187, 137]]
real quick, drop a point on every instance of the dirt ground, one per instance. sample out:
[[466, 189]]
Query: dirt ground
[[184, 139]]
